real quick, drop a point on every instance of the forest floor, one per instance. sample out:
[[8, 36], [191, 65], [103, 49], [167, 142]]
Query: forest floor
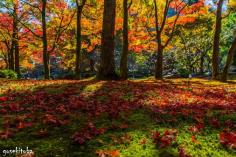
[[142, 118]]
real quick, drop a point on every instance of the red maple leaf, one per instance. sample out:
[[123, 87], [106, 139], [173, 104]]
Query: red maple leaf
[[3, 111], [156, 136], [228, 139], [229, 123], [42, 133], [5, 134], [166, 139], [196, 128], [182, 153], [214, 122], [20, 125], [2, 99]]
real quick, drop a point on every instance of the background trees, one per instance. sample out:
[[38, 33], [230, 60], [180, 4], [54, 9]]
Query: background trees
[[57, 22], [229, 60], [143, 39], [11, 28], [193, 46], [161, 20]]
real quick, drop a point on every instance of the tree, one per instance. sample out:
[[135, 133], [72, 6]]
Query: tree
[[6, 38], [45, 41], [40, 7], [15, 37], [125, 49], [192, 45], [179, 7], [38, 11], [79, 6], [216, 44], [107, 61], [229, 60], [232, 50], [13, 10]]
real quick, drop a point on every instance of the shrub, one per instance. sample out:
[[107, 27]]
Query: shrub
[[9, 74], [184, 72]]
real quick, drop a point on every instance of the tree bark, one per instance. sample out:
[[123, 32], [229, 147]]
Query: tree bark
[[16, 38], [78, 44], [45, 42], [202, 63], [107, 60], [159, 62], [230, 57], [8, 58], [11, 56], [216, 46], [159, 59], [125, 49], [6, 61], [91, 65], [78, 39], [17, 56]]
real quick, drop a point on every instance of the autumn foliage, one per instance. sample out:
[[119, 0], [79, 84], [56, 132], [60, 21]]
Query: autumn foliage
[[96, 108]]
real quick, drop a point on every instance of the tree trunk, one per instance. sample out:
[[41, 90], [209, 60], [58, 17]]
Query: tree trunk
[[216, 46], [16, 39], [11, 56], [8, 59], [45, 42], [159, 59], [17, 57], [234, 60], [107, 60], [202, 64], [125, 51], [78, 43], [6, 62], [91, 65], [159, 63], [230, 57]]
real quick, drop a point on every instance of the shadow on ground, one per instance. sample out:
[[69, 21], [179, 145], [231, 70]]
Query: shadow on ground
[[45, 118]]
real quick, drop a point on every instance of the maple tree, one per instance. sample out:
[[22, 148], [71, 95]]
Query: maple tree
[[216, 46], [42, 33], [194, 46], [144, 26], [125, 50], [229, 60], [116, 39], [162, 22], [79, 7], [107, 63], [13, 60], [231, 52]]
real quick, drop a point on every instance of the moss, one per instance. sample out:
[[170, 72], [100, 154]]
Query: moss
[[128, 141]]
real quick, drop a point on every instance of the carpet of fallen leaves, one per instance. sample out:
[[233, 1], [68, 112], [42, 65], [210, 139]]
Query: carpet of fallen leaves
[[36, 108]]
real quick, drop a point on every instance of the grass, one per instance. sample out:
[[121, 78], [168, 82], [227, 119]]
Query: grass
[[130, 111]]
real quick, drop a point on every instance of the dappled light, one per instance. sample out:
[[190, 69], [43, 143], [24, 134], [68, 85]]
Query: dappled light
[[118, 78], [89, 118]]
